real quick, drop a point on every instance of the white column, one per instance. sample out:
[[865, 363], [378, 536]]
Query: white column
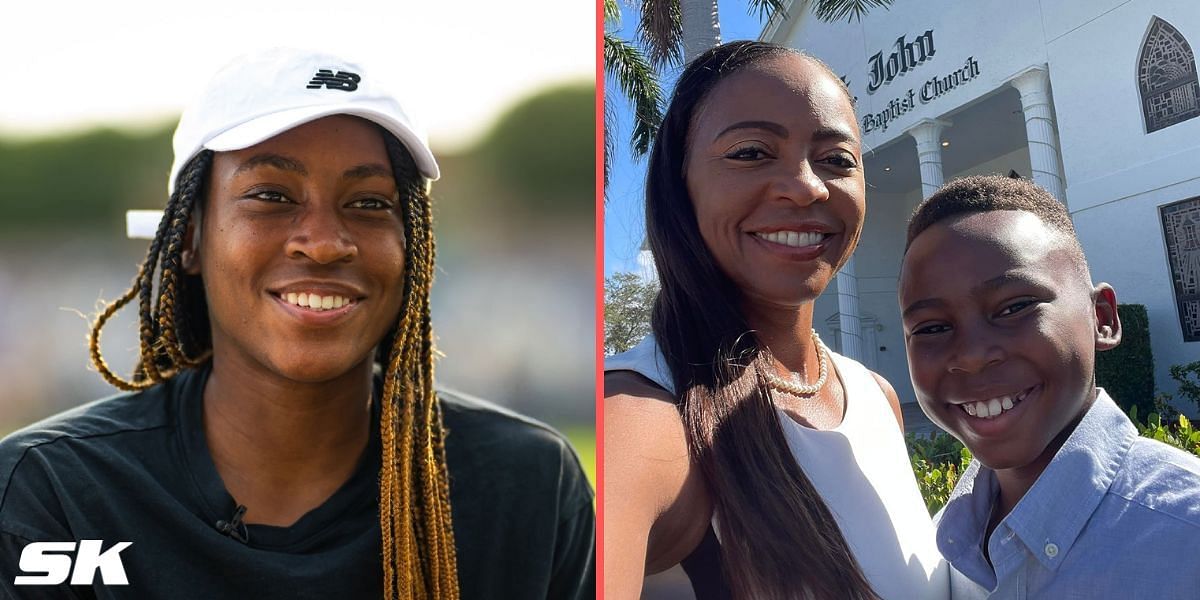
[[646, 268], [849, 321], [701, 27], [928, 133], [1034, 85]]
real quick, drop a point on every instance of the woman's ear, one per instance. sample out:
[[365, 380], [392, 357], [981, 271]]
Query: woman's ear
[[189, 258], [1108, 322]]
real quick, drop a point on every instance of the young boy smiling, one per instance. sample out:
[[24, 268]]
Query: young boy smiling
[[1002, 324]]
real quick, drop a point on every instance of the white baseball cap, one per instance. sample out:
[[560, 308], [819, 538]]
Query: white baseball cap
[[262, 94]]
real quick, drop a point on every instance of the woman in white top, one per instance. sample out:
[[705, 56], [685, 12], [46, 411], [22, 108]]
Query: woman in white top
[[736, 444]]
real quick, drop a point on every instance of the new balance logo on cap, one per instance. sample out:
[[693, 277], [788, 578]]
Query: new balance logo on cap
[[342, 80]]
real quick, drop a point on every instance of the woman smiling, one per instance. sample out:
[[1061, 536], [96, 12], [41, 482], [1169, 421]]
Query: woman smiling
[[284, 438], [736, 443]]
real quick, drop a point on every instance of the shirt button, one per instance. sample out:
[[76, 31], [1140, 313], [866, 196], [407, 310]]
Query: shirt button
[[1051, 550]]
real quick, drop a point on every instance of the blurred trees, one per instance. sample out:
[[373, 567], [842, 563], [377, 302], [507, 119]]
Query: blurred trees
[[544, 149], [83, 180]]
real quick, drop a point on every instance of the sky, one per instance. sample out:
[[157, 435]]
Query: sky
[[138, 62], [624, 227]]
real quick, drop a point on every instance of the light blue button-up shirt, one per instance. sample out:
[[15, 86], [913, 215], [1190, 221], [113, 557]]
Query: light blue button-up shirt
[[1114, 515]]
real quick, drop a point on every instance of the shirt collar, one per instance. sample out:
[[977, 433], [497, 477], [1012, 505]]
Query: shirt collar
[[1062, 500], [1053, 511], [963, 520]]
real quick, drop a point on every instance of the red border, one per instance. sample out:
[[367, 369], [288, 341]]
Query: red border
[[599, 318]]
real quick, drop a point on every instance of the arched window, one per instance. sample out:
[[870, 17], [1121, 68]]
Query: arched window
[[1167, 77]]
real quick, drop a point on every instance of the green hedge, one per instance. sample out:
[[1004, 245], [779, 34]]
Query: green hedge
[[1127, 371]]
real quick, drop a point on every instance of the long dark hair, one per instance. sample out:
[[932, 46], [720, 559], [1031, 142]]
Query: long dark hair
[[419, 559], [778, 538]]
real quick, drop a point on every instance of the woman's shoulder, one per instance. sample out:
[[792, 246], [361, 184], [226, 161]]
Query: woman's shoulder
[[638, 398], [106, 416], [99, 419], [655, 490], [646, 360], [635, 406], [485, 441], [471, 419], [44, 460]]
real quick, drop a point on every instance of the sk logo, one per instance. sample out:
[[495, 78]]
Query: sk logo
[[342, 80], [53, 563]]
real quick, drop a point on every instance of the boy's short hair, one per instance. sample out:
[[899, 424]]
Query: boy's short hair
[[987, 193]]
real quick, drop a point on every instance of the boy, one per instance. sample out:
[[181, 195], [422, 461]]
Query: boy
[[1002, 325]]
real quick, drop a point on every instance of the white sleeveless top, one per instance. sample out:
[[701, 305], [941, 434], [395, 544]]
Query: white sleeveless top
[[862, 471]]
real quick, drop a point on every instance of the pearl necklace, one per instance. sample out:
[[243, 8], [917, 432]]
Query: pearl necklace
[[795, 385]]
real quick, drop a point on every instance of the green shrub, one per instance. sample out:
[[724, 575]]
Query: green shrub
[[1177, 432], [1127, 371], [1188, 378], [937, 462]]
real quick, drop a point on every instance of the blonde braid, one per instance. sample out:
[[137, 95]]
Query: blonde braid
[[160, 354], [420, 561]]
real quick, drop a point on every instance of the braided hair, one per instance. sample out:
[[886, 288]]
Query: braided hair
[[419, 560]]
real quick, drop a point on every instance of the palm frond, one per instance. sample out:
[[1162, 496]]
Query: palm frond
[[612, 12], [625, 64], [661, 31], [610, 142], [764, 9], [850, 10]]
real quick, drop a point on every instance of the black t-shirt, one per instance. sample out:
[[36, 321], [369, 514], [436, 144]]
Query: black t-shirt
[[136, 468]]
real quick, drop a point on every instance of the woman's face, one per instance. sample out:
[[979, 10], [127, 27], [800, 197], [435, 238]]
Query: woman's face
[[302, 251], [774, 171]]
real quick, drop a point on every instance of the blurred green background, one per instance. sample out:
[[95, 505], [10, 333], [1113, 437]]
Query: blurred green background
[[513, 299]]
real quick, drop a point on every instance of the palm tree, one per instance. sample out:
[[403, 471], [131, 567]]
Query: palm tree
[[674, 29], [625, 63]]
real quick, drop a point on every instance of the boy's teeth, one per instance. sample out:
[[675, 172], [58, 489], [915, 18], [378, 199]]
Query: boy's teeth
[[994, 407], [986, 409], [315, 301], [795, 239]]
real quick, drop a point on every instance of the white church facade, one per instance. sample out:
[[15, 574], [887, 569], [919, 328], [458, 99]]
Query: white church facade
[[1095, 100]]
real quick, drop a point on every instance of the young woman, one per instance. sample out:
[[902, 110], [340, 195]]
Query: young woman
[[284, 438], [735, 442]]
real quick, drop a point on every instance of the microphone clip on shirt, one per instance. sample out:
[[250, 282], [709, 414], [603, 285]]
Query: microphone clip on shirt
[[235, 527]]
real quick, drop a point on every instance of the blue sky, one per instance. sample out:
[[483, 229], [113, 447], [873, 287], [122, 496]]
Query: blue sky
[[623, 221]]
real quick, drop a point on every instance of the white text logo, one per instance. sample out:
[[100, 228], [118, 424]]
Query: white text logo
[[52, 561]]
